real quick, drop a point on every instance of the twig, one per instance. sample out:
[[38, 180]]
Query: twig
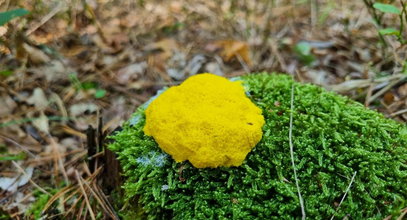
[[368, 95], [290, 136], [92, 215], [346, 192], [398, 113], [382, 91]]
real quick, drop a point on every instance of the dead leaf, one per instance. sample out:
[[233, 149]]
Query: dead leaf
[[3, 31], [176, 7], [319, 77], [42, 123], [195, 64], [36, 55], [402, 90], [235, 49], [7, 105], [180, 68], [130, 20], [167, 46], [53, 71], [118, 40], [11, 184], [175, 65], [73, 50], [21, 201], [38, 99], [131, 72], [80, 108], [282, 11], [214, 67]]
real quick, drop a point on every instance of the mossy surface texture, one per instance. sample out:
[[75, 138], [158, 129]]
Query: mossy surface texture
[[333, 137]]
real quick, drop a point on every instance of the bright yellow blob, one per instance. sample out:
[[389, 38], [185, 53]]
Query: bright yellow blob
[[207, 120]]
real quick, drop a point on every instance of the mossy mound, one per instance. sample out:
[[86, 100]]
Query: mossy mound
[[333, 137]]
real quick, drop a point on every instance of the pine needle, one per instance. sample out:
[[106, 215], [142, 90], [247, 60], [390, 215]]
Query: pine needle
[[92, 215], [346, 192], [290, 136], [30, 180]]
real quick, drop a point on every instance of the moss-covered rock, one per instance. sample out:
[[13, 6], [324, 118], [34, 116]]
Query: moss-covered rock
[[333, 137]]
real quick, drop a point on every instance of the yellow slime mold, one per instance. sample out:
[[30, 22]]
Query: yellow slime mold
[[207, 120]]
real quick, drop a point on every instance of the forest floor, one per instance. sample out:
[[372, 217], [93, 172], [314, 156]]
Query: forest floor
[[69, 63]]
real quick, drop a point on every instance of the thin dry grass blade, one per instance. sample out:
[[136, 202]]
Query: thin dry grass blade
[[100, 200], [55, 197], [58, 158], [89, 207]]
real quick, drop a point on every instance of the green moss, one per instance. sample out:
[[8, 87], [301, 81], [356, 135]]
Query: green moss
[[4, 215], [333, 137], [41, 199]]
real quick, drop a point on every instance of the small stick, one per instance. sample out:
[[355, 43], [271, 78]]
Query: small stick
[[346, 192], [290, 136], [382, 91], [398, 113]]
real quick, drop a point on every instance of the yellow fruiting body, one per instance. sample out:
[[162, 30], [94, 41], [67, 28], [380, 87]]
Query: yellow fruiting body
[[207, 120]]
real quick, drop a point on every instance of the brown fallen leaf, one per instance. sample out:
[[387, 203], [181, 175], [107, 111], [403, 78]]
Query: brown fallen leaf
[[402, 90], [130, 20], [35, 55], [73, 50], [3, 31], [7, 105], [235, 49], [168, 46]]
